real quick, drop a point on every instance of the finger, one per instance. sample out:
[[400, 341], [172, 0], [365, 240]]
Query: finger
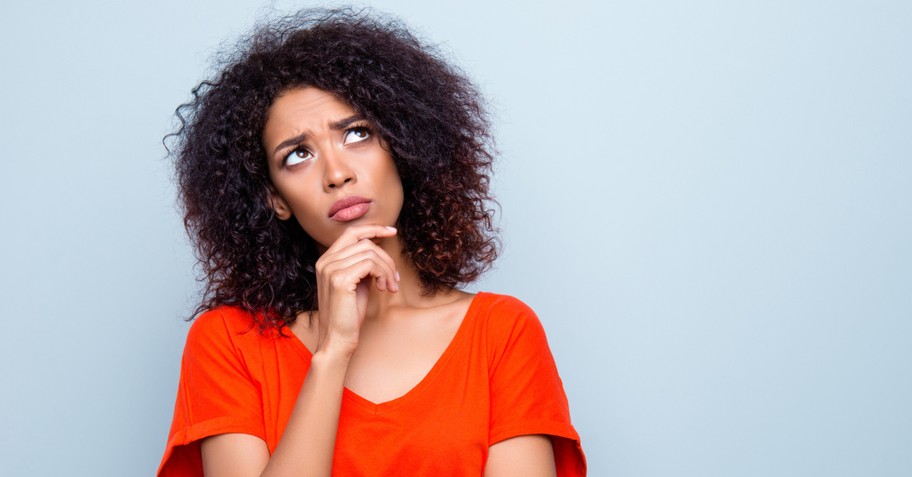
[[356, 272], [354, 234], [391, 279], [360, 247], [381, 270]]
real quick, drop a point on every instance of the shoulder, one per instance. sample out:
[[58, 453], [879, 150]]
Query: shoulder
[[504, 313], [504, 309], [222, 328], [509, 324], [223, 318]]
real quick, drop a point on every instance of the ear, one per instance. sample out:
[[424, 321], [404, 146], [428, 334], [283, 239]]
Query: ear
[[278, 204]]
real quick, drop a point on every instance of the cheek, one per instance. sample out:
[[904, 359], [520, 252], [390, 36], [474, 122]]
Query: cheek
[[308, 211], [396, 186], [323, 236], [305, 207], [392, 173]]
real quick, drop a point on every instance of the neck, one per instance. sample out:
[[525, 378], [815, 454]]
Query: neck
[[409, 295]]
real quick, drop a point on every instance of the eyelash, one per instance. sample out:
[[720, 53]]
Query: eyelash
[[364, 127], [300, 147]]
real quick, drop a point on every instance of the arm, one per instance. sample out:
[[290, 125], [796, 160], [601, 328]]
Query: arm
[[521, 456], [306, 448], [527, 396]]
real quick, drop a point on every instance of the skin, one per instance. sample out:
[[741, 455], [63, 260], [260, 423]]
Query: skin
[[374, 333]]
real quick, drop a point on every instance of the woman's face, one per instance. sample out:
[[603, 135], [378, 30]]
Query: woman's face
[[328, 165]]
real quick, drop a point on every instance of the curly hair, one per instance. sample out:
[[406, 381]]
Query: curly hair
[[430, 115]]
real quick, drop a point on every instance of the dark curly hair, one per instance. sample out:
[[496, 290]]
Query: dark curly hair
[[430, 115]]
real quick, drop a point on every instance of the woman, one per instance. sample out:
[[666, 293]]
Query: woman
[[334, 180]]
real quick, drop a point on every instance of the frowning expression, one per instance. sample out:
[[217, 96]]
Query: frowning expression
[[328, 166]]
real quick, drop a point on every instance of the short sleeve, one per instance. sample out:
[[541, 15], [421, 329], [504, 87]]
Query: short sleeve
[[216, 394], [527, 395]]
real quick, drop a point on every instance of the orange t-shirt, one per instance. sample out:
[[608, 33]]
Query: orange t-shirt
[[495, 380]]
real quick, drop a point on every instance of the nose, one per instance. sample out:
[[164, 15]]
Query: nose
[[337, 171]]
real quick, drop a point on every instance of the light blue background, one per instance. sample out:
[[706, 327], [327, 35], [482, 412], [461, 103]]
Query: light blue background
[[708, 203]]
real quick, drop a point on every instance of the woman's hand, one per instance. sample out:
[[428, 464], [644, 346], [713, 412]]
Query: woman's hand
[[344, 275]]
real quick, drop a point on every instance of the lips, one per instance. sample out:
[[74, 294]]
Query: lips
[[349, 208]]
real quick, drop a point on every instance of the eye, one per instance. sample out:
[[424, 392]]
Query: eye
[[356, 134], [299, 155]]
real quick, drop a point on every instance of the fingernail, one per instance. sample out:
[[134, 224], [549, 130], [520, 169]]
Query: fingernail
[[391, 229], [397, 275]]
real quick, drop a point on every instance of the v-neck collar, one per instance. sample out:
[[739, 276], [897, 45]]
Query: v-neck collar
[[426, 381]]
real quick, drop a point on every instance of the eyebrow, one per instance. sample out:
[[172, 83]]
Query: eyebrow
[[335, 126]]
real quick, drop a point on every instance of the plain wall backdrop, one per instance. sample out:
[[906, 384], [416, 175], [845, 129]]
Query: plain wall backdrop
[[708, 203]]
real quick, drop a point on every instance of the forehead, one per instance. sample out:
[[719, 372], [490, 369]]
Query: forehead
[[299, 110]]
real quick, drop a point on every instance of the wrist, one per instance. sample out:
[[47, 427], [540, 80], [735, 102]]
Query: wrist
[[332, 356], [337, 346]]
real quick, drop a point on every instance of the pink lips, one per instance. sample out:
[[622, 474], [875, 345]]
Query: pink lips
[[349, 208]]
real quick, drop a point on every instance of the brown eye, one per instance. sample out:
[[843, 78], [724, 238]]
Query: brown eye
[[298, 156], [356, 134]]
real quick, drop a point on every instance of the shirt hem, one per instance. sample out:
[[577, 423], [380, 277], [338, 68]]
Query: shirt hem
[[209, 428]]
